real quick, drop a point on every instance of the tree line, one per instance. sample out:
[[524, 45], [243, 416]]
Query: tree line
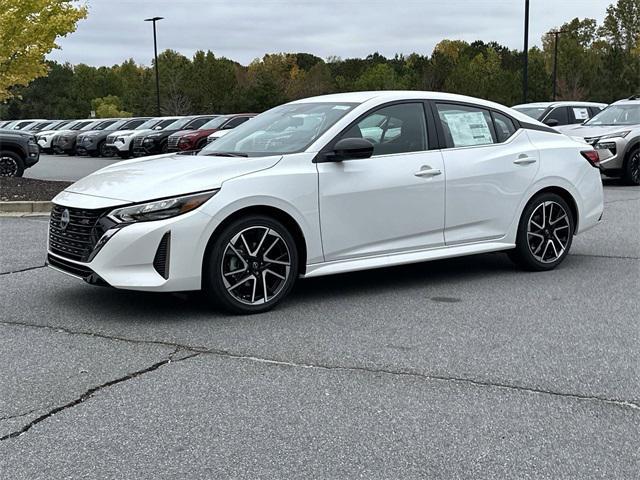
[[595, 62]]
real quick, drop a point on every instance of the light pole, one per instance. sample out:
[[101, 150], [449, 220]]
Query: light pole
[[155, 50], [556, 34], [525, 73]]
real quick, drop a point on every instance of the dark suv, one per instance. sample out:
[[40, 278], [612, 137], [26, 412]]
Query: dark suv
[[18, 150], [156, 142], [94, 142]]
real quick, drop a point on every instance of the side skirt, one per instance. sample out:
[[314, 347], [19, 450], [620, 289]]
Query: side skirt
[[353, 265]]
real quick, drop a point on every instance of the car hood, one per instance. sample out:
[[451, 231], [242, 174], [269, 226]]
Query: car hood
[[591, 131], [17, 133], [162, 176], [47, 132]]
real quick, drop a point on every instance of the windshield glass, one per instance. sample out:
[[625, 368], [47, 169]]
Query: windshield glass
[[178, 124], [79, 125], [103, 125], [116, 125], [214, 123], [149, 124], [288, 128], [90, 126], [617, 115], [533, 112]]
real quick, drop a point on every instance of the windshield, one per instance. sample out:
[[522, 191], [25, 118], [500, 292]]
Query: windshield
[[90, 126], [178, 124], [103, 125], [80, 125], [149, 124], [617, 115], [533, 112], [117, 125], [288, 128], [214, 123]]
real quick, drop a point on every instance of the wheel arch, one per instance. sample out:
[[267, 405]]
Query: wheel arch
[[285, 218], [13, 148], [566, 196]]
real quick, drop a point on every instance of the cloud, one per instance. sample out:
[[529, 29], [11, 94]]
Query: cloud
[[246, 29]]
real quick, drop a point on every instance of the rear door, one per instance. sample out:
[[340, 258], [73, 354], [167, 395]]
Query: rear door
[[490, 164]]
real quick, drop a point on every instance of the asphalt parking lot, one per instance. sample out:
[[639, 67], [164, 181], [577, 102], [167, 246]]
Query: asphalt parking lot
[[66, 168], [465, 368]]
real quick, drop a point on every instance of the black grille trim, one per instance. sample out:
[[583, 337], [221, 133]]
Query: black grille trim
[[79, 271], [161, 260], [78, 239]]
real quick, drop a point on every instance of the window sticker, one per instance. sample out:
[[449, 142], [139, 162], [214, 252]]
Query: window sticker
[[468, 128], [581, 113]]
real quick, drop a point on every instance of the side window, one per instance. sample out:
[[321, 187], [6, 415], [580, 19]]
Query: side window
[[395, 129], [504, 127], [560, 114], [197, 123], [580, 114], [234, 122], [465, 126]]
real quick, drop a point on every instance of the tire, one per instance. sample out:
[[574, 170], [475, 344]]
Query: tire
[[164, 148], [104, 151], [631, 173], [11, 165], [124, 156], [242, 251], [542, 243]]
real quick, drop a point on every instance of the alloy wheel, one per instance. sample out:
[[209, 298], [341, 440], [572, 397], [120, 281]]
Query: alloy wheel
[[8, 166], [548, 232], [634, 168], [256, 264]]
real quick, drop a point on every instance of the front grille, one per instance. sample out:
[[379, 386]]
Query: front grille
[[80, 236], [137, 142], [172, 143]]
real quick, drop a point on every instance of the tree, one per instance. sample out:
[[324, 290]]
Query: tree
[[108, 107], [28, 32]]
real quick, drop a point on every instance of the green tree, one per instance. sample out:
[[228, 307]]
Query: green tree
[[28, 32], [109, 107]]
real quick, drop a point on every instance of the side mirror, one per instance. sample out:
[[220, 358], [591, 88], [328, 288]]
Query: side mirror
[[349, 149], [552, 122]]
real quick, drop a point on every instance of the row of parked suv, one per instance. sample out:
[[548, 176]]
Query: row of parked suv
[[127, 137], [613, 130]]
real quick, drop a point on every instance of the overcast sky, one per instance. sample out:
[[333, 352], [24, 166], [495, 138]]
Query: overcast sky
[[246, 29]]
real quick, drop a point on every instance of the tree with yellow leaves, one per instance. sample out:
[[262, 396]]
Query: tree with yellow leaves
[[28, 32]]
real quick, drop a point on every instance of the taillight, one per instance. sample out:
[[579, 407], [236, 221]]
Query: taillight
[[592, 157]]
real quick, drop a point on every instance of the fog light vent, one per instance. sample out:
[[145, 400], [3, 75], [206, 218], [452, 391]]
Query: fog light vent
[[161, 260]]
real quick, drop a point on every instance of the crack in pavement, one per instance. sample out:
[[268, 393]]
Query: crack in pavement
[[92, 391], [617, 257], [17, 415], [23, 270], [270, 361]]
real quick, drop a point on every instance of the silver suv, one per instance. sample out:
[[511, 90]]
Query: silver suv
[[615, 134]]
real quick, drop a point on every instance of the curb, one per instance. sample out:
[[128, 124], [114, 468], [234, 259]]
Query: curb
[[25, 208]]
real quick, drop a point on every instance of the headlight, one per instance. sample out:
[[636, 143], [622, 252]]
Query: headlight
[[149, 140], [616, 135], [33, 141], [161, 209]]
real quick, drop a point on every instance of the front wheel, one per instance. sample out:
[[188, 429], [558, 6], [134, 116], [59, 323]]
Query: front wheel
[[631, 174], [251, 265], [545, 233], [11, 165]]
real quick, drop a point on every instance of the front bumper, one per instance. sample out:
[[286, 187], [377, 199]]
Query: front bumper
[[612, 152], [130, 257], [33, 155], [147, 148]]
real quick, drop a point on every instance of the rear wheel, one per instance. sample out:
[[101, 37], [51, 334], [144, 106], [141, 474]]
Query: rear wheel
[[11, 165], [251, 265], [545, 233], [631, 174]]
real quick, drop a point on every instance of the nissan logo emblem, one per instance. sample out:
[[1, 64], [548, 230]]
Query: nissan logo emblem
[[64, 219]]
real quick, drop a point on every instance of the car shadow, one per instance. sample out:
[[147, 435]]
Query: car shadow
[[158, 307]]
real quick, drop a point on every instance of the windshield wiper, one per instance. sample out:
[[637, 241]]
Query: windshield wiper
[[226, 154]]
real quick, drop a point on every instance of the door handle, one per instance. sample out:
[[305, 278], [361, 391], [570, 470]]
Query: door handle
[[525, 161], [427, 171]]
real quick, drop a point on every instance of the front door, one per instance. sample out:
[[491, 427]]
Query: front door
[[389, 203]]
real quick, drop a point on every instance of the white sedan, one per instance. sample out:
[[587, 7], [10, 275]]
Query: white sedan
[[328, 185]]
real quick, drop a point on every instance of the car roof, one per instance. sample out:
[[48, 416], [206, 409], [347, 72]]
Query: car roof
[[393, 95], [628, 101], [560, 104]]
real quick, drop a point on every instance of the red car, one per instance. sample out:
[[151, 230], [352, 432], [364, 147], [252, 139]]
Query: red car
[[196, 139]]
